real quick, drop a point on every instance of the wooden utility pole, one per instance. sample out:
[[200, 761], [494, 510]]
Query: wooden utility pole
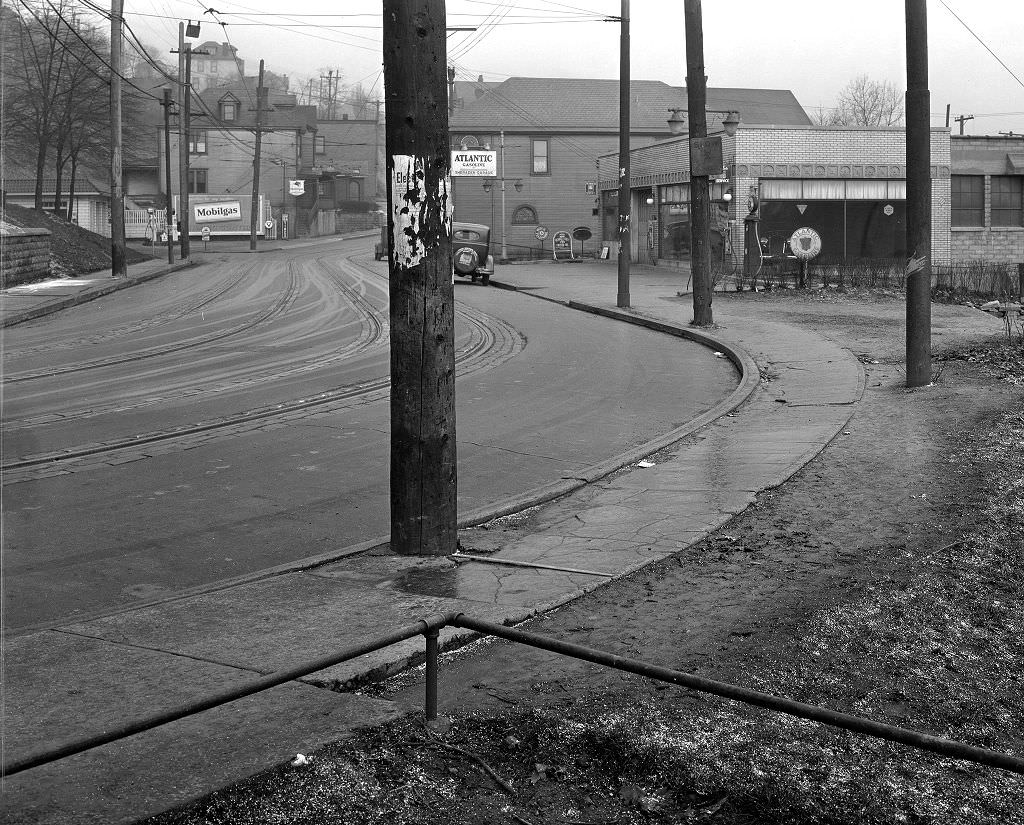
[[700, 198], [919, 198], [422, 296], [254, 208], [118, 246], [625, 198], [184, 100], [961, 119], [169, 225]]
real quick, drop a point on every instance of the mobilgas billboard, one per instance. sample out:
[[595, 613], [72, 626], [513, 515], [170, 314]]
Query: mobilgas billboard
[[214, 212]]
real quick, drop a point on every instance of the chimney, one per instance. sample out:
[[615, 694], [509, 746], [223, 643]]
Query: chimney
[[479, 90]]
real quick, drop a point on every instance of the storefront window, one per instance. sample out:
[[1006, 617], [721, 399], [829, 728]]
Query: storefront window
[[967, 205], [1007, 200]]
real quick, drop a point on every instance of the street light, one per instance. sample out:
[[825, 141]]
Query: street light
[[677, 122]]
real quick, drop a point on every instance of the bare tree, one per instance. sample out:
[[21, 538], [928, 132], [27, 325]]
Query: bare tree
[[55, 80], [864, 102]]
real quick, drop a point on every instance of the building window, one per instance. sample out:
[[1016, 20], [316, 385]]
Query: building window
[[967, 205], [1007, 200], [228, 110], [197, 142], [199, 66], [320, 144], [197, 181], [213, 67], [524, 216], [321, 189], [540, 158]]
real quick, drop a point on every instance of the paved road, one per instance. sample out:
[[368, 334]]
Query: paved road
[[233, 417]]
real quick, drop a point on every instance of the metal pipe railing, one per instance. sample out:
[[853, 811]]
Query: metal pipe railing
[[278, 677], [429, 629], [868, 727]]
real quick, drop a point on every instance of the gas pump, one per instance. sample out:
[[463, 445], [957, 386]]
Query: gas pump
[[752, 238]]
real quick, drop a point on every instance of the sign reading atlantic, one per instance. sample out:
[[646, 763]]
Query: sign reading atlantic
[[474, 163]]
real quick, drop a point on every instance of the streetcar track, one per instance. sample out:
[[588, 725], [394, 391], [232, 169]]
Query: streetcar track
[[199, 303], [491, 341], [277, 308]]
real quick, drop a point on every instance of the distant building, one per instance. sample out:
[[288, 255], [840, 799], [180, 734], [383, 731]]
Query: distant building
[[220, 66], [551, 133]]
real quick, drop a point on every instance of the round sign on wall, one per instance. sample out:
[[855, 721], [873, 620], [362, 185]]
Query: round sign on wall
[[805, 243]]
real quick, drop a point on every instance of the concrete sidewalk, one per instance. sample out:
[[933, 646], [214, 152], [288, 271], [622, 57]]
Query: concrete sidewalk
[[77, 680]]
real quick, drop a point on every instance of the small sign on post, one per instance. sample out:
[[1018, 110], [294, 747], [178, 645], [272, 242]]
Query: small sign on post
[[561, 246], [206, 236]]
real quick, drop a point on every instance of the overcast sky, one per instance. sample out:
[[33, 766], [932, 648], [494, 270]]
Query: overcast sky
[[812, 47]]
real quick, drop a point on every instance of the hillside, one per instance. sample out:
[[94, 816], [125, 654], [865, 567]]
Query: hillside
[[75, 251]]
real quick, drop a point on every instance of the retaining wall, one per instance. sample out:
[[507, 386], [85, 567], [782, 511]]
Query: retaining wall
[[24, 254]]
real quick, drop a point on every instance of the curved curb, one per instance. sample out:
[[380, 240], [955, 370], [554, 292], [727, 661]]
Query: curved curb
[[749, 379], [87, 295]]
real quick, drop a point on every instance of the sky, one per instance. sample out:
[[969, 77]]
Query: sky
[[811, 47]]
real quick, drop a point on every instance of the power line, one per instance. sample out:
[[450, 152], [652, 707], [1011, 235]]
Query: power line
[[983, 43]]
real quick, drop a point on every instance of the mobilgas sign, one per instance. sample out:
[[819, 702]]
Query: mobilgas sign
[[474, 163], [211, 212]]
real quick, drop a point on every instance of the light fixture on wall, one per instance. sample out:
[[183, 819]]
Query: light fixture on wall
[[727, 195], [677, 122]]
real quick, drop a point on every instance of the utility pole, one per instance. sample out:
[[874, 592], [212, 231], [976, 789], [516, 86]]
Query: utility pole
[[625, 198], [169, 224], [504, 246], [919, 197], [700, 198], [118, 248], [961, 119], [184, 95], [254, 208], [422, 296]]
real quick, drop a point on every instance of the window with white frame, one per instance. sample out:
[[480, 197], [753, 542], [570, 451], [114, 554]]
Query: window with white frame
[[320, 144], [540, 165]]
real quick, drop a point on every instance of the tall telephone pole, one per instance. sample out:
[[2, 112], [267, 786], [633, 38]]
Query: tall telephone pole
[[919, 198], [625, 200], [254, 208], [700, 197], [118, 247], [422, 296], [167, 176], [184, 99]]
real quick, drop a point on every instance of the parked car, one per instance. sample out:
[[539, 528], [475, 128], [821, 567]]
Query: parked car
[[471, 243]]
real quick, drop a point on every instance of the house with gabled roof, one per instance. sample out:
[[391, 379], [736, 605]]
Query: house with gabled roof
[[550, 133]]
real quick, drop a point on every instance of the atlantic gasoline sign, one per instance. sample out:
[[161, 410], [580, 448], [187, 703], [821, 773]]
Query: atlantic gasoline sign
[[211, 212], [474, 163]]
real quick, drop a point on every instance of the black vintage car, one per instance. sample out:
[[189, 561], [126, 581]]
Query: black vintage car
[[471, 245]]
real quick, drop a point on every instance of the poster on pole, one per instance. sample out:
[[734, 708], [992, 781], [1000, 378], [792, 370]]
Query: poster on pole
[[297, 187]]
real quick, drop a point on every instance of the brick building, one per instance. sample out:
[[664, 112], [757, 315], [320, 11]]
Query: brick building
[[847, 183], [987, 208], [550, 134]]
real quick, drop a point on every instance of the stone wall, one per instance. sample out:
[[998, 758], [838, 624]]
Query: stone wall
[[24, 254]]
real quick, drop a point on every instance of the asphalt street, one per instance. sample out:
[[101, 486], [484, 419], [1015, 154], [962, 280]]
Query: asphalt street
[[175, 483]]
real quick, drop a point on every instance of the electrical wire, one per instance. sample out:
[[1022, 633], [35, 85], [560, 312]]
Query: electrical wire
[[983, 43]]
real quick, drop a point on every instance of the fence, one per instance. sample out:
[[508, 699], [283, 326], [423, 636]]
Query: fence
[[429, 627]]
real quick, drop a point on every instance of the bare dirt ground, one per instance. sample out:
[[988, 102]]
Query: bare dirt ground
[[885, 579]]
